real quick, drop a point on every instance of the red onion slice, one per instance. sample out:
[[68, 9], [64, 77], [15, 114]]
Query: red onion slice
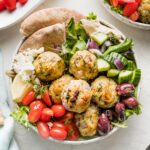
[[92, 45], [119, 65]]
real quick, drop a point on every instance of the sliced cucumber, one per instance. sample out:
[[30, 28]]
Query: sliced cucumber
[[125, 76], [103, 65], [113, 73], [110, 58], [136, 77], [98, 37], [131, 65]]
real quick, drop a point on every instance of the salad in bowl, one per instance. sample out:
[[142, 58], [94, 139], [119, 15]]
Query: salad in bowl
[[132, 12], [73, 78]]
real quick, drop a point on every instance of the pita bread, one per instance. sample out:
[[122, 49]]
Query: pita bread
[[47, 17], [50, 36]]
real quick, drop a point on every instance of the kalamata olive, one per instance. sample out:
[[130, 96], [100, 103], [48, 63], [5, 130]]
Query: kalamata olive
[[109, 114], [131, 102], [119, 108], [125, 89], [105, 45], [104, 125]]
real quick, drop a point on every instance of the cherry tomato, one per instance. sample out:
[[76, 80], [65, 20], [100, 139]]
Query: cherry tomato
[[2, 5], [36, 103], [43, 129], [28, 98], [10, 4], [114, 3], [59, 110], [46, 114], [22, 2], [66, 117], [59, 125], [121, 2], [72, 130], [135, 16], [35, 111], [58, 133], [46, 98], [130, 8]]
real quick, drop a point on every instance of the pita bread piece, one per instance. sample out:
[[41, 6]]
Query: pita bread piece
[[47, 17], [51, 36]]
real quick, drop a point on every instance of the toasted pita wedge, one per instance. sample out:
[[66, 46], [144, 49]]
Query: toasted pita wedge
[[47, 17], [50, 36]]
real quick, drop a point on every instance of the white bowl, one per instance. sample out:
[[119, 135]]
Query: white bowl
[[126, 20], [80, 141]]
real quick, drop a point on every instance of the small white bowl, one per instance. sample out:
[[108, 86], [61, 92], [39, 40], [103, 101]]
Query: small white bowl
[[126, 20], [81, 140]]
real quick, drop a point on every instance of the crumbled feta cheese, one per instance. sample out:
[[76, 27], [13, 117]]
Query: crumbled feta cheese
[[23, 62]]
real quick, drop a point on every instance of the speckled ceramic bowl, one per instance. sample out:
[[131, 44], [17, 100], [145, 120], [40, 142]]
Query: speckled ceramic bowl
[[81, 140], [126, 20]]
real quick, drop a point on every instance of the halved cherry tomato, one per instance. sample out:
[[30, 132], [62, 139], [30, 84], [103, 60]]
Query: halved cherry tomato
[[72, 131], [10, 4], [46, 98], [43, 129], [28, 98], [135, 16], [59, 110], [66, 117], [2, 5], [46, 114], [114, 3], [129, 9], [22, 2], [58, 133], [59, 125], [35, 111]]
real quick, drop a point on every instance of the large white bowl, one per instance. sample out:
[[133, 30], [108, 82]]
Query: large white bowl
[[81, 141], [126, 20]]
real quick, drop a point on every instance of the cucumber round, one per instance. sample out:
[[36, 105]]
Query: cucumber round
[[113, 73], [136, 77], [124, 76], [102, 65]]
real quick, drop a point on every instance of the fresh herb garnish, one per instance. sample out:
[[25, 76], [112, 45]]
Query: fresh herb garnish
[[120, 124], [117, 9], [91, 16]]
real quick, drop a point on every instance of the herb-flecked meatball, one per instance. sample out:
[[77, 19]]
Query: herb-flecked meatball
[[76, 96], [144, 11], [87, 121], [57, 86], [49, 66], [104, 92], [83, 65]]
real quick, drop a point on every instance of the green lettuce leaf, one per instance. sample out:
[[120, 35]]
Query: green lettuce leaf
[[120, 124], [130, 112], [20, 115]]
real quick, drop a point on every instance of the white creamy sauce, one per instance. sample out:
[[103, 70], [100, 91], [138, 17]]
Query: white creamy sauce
[[23, 62]]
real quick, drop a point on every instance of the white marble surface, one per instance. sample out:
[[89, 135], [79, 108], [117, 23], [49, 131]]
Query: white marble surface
[[137, 135]]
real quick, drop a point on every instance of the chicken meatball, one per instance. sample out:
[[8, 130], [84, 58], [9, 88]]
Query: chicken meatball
[[49, 66], [83, 65], [76, 96], [144, 11], [57, 86], [87, 121], [104, 92]]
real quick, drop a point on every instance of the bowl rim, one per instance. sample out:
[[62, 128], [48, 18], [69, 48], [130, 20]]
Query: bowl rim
[[125, 19], [98, 138]]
